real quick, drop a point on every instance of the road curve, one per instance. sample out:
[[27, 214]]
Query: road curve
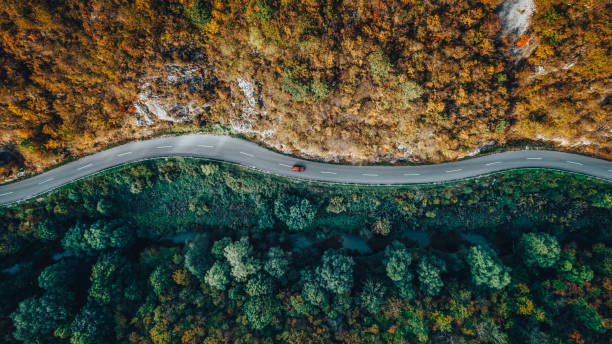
[[248, 154]]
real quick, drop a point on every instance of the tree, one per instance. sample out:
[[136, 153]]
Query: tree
[[336, 272], [38, 316], [428, 270], [74, 238], [372, 296], [219, 246], [57, 277], [276, 263], [107, 276], [410, 91], [101, 235], [218, 275], [539, 250], [259, 286], [379, 65], [397, 265], [48, 229], [197, 257], [238, 256], [160, 279], [259, 311], [297, 214], [91, 325], [108, 234], [397, 262], [485, 268], [568, 269], [312, 291]]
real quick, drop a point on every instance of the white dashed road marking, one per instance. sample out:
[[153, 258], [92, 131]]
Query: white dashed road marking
[[247, 154], [369, 175], [326, 172], [82, 167], [457, 170], [412, 174], [48, 180], [205, 146], [493, 163], [285, 165], [126, 153], [534, 158], [575, 163], [6, 194], [160, 147]]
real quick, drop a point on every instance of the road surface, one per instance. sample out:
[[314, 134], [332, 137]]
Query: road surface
[[248, 154]]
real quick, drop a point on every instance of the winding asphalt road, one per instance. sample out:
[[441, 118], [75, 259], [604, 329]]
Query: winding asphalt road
[[248, 154]]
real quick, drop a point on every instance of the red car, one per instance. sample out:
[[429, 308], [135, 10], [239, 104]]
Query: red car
[[298, 168]]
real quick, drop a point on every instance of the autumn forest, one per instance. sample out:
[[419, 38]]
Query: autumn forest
[[351, 81]]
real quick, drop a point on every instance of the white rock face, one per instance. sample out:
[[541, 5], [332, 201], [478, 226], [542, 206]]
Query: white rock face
[[152, 104], [515, 16], [249, 111]]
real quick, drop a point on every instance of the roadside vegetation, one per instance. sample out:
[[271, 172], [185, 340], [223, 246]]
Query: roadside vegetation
[[190, 251]]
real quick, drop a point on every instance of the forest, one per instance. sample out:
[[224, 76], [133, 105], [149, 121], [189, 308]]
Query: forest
[[350, 81], [192, 251]]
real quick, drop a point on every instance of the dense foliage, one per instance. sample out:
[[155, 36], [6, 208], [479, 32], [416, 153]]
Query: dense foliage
[[355, 80], [518, 257]]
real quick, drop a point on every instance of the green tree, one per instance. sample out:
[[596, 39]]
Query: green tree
[[107, 276], [197, 257], [238, 255], [569, 269], [48, 229], [38, 316], [372, 296], [57, 277], [410, 91], [276, 263], [161, 279], [539, 250], [336, 272], [108, 234], [428, 270], [397, 262], [91, 325], [259, 286], [218, 275], [260, 311], [219, 246], [297, 214], [485, 268], [319, 89], [312, 291], [588, 316], [379, 65], [74, 238]]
